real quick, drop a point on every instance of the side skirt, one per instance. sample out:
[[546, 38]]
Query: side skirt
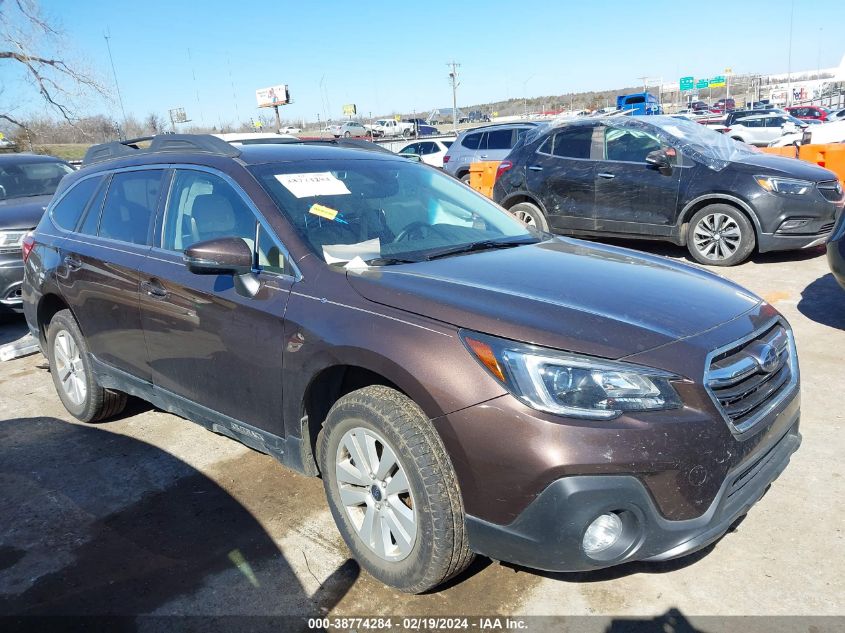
[[285, 450]]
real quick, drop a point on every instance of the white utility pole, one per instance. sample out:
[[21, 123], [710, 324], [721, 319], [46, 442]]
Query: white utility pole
[[453, 78]]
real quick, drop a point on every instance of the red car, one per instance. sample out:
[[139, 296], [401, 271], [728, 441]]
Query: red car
[[808, 112]]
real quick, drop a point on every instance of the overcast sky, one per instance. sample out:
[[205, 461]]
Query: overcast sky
[[209, 56]]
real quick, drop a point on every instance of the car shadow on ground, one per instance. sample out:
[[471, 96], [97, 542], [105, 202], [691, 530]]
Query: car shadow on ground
[[93, 523], [823, 301]]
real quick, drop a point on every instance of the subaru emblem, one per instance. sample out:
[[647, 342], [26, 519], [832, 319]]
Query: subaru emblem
[[766, 356]]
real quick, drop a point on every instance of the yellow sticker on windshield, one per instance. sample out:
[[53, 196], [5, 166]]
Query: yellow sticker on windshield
[[323, 211]]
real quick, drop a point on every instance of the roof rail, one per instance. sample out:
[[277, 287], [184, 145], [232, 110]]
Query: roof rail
[[204, 143]]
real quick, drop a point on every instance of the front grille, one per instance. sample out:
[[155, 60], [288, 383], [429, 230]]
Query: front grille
[[826, 228], [831, 190], [748, 379]]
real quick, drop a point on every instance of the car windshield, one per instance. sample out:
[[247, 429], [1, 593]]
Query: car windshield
[[386, 211], [25, 179]]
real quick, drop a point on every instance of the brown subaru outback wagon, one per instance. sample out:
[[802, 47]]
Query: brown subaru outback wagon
[[463, 384]]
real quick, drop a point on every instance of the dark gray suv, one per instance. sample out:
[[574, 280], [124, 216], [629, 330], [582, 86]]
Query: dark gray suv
[[664, 178], [27, 182]]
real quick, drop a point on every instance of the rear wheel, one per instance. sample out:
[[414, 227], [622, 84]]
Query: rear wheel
[[73, 375], [465, 178], [392, 490], [530, 214], [347, 134], [720, 235]]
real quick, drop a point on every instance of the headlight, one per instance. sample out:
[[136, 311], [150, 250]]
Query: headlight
[[572, 385], [11, 241], [788, 186]]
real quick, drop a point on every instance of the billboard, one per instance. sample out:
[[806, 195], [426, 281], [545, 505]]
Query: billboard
[[272, 96], [177, 115], [350, 109]]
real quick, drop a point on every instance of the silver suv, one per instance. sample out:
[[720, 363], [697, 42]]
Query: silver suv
[[491, 142]]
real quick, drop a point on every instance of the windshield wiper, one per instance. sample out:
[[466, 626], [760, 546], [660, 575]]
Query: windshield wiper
[[483, 245], [390, 260]]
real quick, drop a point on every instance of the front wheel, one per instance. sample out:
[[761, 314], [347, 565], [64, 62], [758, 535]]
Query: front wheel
[[720, 235], [73, 375], [346, 134], [392, 490]]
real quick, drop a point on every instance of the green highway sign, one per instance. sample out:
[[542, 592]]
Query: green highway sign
[[702, 83], [687, 83], [717, 82]]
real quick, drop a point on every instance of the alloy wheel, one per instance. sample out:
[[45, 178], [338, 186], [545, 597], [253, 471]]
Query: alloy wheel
[[717, 236], [526, 218], [69, 367], [375, 492]]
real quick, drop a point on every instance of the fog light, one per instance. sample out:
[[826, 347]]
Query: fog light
[[793, 225], [602, 534]]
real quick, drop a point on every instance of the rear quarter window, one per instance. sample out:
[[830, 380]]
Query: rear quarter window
[[69, 209], [471, 141]]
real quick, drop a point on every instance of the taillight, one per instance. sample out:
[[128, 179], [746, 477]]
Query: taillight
[[26, 246], [504, 166], [446, 159]]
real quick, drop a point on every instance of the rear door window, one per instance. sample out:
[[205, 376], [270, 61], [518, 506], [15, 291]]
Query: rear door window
[[67, 212], [574, 142], [130, 206], [500, 139]]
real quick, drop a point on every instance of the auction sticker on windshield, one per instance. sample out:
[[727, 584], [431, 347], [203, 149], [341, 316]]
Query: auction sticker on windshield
[[323, 211], [313, 184]]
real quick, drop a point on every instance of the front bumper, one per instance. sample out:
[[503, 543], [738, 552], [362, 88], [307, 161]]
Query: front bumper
[[784, 242], [548, 534], [11, 278]]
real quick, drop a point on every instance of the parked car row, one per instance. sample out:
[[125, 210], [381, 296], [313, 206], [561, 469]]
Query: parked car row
[[657, 177], [640, 405]]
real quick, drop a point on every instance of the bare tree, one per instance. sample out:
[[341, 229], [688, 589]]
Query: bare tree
[[154, 123], [31, 45]]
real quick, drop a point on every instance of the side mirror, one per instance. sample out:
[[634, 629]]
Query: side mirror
[[661, 159], [221, 256]]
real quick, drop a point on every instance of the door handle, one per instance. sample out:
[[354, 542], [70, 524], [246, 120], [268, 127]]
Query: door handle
[[483, 156], [607, 176], [154, 289], [535, 168], [72, 263]]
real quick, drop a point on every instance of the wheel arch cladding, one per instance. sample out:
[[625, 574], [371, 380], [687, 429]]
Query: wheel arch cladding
[[48, 307], [741, 206]]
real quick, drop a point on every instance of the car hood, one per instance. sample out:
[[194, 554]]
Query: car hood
[[768, 164], [562, 293], [22, 213]]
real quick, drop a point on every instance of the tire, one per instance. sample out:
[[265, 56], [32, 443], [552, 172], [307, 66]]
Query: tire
[[738, 138], [734, 241], [530, 214], [346, 134], [465, 178], [431, 545], [79, 392], [406, 133]]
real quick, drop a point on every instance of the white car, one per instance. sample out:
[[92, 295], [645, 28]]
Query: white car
[[249, 138], [830, 132], [431, 152], [347, 129], [290, 130], [391, 127], [762, 129]]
